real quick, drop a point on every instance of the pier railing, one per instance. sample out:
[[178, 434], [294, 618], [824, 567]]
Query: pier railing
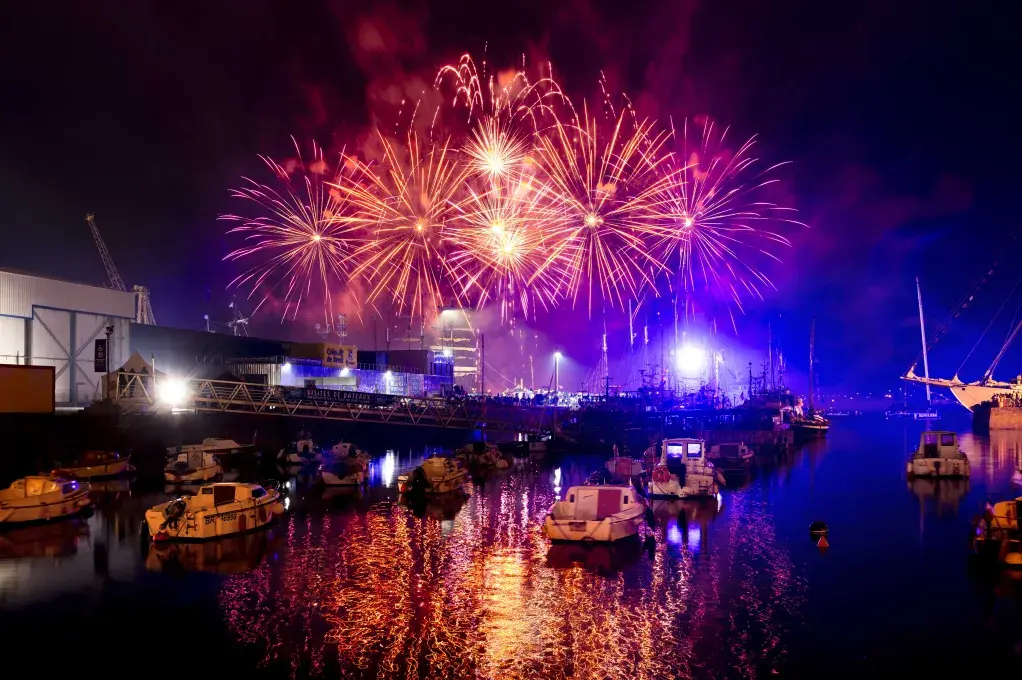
[[140, 393]]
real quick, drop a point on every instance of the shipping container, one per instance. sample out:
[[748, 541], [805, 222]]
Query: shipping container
[[27, 389]]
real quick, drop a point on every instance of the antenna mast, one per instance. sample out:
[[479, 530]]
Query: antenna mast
[[812, 360], [922, 334]]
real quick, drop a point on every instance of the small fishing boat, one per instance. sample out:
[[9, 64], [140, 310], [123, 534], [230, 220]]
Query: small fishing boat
[[301, 452], [482, 454], [342, 450], [624, 467], [221, 509], [192, 467], [938, 455], [595, 513], [347, 471], [42, 499], [731, 456], [96, 464], [684, 472], [436, 475], [214, 445], [998, 525]]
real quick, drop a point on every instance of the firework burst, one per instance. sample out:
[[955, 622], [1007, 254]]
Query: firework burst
[[606, 189], [718, 235], [501, 249], [300, 244], [403, 204]]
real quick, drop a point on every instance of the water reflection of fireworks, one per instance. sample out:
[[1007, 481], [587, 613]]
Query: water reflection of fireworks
[[387, 594]]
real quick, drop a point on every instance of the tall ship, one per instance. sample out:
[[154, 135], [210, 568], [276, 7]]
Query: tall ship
[[969, 394]]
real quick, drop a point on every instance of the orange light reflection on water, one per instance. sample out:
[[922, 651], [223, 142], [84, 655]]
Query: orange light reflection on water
[[387, 594]]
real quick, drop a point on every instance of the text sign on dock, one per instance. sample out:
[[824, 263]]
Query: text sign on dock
[[99, 356], [345, 397]]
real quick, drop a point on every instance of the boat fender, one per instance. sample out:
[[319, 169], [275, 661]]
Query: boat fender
[[819, 528]]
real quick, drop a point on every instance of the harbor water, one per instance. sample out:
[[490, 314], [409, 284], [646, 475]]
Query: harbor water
[[357, 584]]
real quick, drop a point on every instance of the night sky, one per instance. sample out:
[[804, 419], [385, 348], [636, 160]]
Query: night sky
[[900, 120]]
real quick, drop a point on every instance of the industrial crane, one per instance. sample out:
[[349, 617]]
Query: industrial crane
[[143, 309]]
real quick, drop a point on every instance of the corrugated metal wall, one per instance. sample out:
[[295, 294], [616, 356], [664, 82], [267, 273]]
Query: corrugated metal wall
[[19, 293], [55, 323]]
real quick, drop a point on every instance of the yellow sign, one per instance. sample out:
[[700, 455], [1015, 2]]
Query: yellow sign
[[340, 356]]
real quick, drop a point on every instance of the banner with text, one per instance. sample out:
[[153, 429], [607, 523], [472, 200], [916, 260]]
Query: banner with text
[[340, 356], [99, 356]]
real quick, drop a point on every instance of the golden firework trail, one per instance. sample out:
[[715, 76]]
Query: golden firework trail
[[300, 242], [403, 204], [717, 234], [607, 189]]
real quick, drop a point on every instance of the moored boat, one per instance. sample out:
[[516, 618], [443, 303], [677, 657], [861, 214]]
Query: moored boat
[[684, 472], [938, 455], [301, 452], [731, 456], [214, 445], [347, 471], [189, 468], [342, 450], [220, 509], [998, 525], [42, 498], [624, 467], [96, 464], [436, 475], [481, 454], [602, 514]]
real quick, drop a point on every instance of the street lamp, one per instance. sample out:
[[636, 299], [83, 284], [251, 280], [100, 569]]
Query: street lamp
[[557, 372]]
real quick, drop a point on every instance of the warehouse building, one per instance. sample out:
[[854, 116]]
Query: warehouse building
[[74, 327]]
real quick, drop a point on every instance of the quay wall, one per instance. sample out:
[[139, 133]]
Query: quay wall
[[986, 417]]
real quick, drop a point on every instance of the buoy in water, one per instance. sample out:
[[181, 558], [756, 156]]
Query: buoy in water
[[818, 529], [822, 544]]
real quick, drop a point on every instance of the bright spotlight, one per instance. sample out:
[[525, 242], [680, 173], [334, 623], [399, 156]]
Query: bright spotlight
[[345, 372], [388, 374], [286, 366], [173, 392], [690, 359], [448, 352], [558, 356]]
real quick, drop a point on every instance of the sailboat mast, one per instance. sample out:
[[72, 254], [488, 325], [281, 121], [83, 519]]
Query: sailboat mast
[[922, 334], [812, 360], [770, 353]]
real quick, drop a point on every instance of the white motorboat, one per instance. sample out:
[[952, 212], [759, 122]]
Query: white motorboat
[[600, 513], [684, 472], [731, 456], [96, 464], [436, 475], [42, 498], [218, 447], [481, 454], [192, 467], [217, 510], [342, 450], [302, 452], [347, 471], [938, 455], [624, 467]]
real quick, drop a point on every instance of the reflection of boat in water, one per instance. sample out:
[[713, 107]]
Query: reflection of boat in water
[[692, 510], [110, 486], [598, 558], [595, 513], [217, 510], [59, 539], [43, 499], [945, 491], [441, 507], [482, 454], [231, 555], [96, 464]]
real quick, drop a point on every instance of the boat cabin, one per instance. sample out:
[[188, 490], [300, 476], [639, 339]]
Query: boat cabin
[[222, 494], [593, 503], [938, 445], [38, 486], [680, 453]]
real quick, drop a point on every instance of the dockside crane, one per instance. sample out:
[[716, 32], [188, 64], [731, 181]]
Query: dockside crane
[[143, 308]]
